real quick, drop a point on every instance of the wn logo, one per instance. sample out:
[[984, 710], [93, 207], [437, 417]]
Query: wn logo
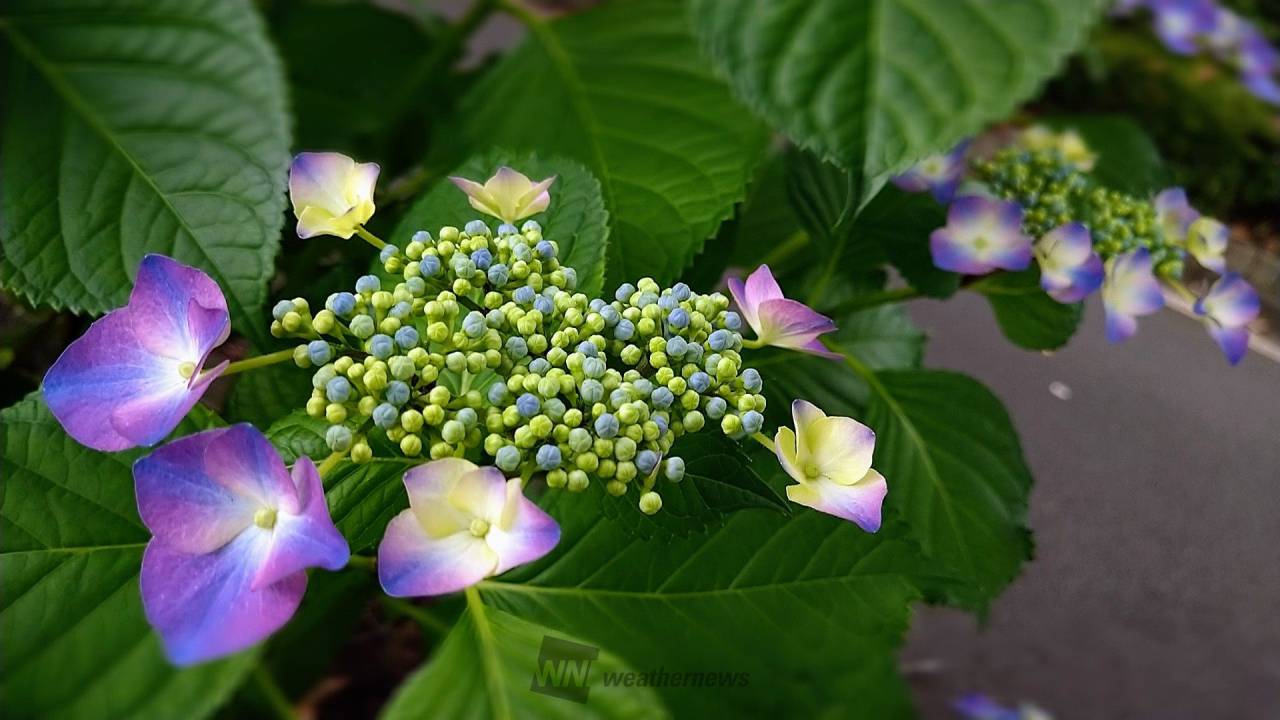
[[563, 669]]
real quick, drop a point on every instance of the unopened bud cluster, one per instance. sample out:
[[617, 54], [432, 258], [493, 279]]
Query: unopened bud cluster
[[482, 345], [1053, 189]]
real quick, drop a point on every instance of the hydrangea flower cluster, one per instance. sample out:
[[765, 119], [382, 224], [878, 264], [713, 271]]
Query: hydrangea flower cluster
[[483, 343], [1187, 27], [479, 357], [1035, 199]]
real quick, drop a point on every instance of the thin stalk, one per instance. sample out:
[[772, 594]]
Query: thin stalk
[[370, 238], [766, 442], [254, 363]]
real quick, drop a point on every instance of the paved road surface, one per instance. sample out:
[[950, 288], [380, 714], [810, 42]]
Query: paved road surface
[[1155, 592]]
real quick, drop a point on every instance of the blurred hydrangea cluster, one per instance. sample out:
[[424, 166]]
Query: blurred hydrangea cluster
[[1036, 200], [480, 341], [1189, 27]]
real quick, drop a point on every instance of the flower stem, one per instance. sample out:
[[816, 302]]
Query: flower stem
[[752, 344], [364, 562], [370, 238], [766, 442], [254, 363], [329, 463], [272, 693]]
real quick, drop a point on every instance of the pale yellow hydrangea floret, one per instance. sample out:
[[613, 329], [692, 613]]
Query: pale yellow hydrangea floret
[[331, 193], [508, 195]]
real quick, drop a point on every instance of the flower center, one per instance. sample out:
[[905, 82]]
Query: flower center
[[980, 243], [265, 518], [812, 471], [186, 369], [479, 527]]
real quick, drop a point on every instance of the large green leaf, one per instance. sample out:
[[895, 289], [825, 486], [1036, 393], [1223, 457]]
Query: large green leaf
[[799, 605], [956, 475], [876, 84], [76, 643], [576, 218], [1026, 315], [622, 89], [140, 126], [490, 660]]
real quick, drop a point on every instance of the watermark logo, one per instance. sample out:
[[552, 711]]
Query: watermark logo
[[563, 668]]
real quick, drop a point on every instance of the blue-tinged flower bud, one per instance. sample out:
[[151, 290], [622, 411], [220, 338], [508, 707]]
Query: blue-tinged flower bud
[[646, 461], [508, 458], [751, 381], [681, 291], [362, 326], [668, 302], [523, 295], [386, 416], [498, 393], [368, 284], [498, 274], [548, 457], [618, 398], [570, 277], [588, 348], [422, 236], [397, 393], [545, 249], [323, 376], [673, 469], [381, 346], [341, 304], [543, 305], [338, 438], [716, 408], [662, 424], [476, 227], [720, 340], [642, 386], [530, 226], [752, 421], [733, 321], [610, 315], [678, 318], [507, 229], [482, 259], [407, 337], [429, 265], [624, 330], [677, 347], [387, 252], [528, 405], [319, 352], [579, 440], [517, 348], [594, 367], [592, 391], [468, 417], [337, 390], [662, 397], [282, 308], [606, 426], [694, 353], [473, 325], [624, 292]]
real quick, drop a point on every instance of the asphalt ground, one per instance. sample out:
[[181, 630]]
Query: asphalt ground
[[1155, 590]]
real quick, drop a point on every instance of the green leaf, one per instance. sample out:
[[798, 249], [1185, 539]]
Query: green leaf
[[796, 603], [298, 434], [901, 222], [875, 84], [454, 382], [1128, 160], [576, 218], [142, 129], [76, 643], [1026, 315], [881, 337], [488, 663], [956, 475], [622, 89], [718, 480]]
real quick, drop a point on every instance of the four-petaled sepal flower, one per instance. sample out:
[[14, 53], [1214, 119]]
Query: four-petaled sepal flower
[[464, 523], [1069, 268], [1129, 291], [830, 460], [132, 377], [234, 532], [331, 193], [508, 195], [1228, 308], [1174, 214], [777, 320], [939, 174], [982, 234], [1207, 242]]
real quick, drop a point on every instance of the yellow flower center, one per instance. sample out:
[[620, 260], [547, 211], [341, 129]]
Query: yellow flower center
[[265, 518], [479, 527], [811, 471], [186, 369]]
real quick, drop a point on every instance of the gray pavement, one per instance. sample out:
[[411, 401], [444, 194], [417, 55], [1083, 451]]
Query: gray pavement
[[1155, 592]]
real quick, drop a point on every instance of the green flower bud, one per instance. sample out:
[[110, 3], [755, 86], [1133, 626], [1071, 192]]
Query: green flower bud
[[411, 445], [650, 503], [361, 452], [366, 405], [590, 462], [578, 481], [433, 415], [626, 471], [411, 420], [616, 488], [453, 432], [730, 424], [557, 478], [336, 414], [624, 448], [316, 407], [439, 395]]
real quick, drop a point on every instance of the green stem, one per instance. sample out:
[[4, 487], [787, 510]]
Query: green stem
[[364, 562], [254, 363], [274, 696], [370, 238], [884, 297], [330, 463], [766, 442], [752, 344], [415, 613]]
